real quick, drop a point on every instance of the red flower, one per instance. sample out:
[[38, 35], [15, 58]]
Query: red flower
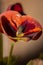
[[19, 27]]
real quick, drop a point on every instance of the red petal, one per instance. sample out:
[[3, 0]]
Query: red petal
[[8, 24], [30, 26]]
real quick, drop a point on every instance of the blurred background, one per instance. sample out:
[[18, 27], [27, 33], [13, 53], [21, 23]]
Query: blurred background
[[26, 50]]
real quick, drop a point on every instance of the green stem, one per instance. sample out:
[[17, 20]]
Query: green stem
[[1, 47], [10, 55], [1, 37]]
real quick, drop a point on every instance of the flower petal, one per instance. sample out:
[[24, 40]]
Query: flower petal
[[8, 27], [8, 24], [30, 27]]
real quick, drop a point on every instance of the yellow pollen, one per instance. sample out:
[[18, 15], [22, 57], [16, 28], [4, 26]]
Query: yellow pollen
[[19, 35]]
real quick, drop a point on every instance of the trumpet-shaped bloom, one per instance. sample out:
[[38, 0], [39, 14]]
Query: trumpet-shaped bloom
[[18, 27]]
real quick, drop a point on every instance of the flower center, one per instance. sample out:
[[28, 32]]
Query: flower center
[[19, 34]]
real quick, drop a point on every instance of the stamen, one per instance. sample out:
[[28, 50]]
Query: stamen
[[19, 35]]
